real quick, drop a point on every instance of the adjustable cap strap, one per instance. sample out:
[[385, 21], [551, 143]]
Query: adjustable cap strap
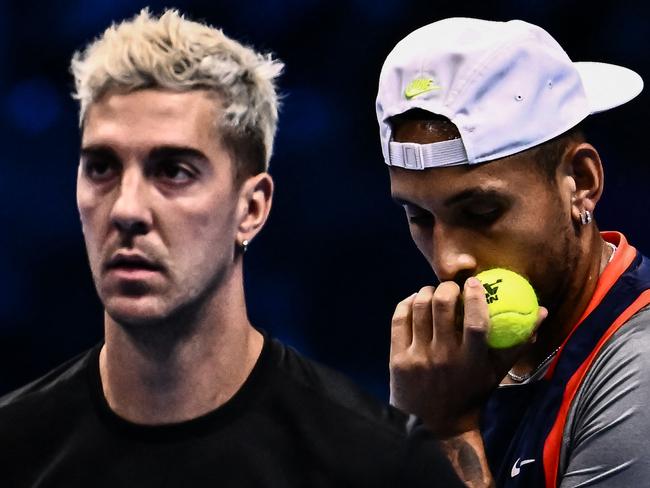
[[410, 155]]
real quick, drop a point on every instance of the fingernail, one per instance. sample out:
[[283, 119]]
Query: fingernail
[[473, 282]]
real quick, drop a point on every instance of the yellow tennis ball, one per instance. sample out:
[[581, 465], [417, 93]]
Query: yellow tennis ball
[[512, 305]]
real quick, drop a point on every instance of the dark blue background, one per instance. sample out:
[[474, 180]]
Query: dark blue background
[[335, 256]]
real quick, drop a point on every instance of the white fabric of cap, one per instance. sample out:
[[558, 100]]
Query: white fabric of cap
[[507, 86]]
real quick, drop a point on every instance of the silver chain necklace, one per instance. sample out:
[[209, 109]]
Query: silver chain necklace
[[524, 377], [521, 378]]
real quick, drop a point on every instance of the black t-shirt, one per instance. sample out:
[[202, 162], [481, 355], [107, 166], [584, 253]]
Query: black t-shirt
[[293, 423]]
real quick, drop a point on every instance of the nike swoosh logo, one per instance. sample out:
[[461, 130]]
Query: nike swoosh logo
[[420, 86], [516, 467]]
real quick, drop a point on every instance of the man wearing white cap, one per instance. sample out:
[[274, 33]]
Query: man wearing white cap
[[479, 125]]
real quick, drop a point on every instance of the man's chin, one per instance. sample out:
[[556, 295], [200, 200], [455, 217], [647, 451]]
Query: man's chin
[[136, 311]]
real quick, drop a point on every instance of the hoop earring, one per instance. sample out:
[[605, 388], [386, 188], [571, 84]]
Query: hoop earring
[[585, 217]]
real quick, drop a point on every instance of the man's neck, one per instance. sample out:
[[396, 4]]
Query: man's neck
[[560, 322], [179, 378]]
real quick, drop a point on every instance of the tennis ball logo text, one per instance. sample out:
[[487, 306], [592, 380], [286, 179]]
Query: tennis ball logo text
[[491, 290], [512, 305]]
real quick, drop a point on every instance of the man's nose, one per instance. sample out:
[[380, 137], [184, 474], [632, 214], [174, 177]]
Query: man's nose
[[452, 256], [131, 213]]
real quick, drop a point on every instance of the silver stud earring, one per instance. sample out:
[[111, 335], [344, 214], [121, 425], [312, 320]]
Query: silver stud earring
[[585, 217], [244, 245]]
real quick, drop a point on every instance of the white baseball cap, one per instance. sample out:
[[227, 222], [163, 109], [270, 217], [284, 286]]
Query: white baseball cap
[[507, 86]]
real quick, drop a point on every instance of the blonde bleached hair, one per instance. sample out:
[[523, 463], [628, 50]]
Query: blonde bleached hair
[[174, 53]]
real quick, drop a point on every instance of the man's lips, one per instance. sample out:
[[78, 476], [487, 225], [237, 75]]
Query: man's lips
[[131, 262]]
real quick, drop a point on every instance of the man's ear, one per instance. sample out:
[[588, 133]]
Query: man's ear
[[255, 198], [583, 178]]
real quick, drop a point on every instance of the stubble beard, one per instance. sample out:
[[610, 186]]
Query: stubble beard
[[560, 273], [159, 335]]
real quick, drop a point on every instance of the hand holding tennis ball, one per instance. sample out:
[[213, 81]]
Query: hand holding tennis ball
[[512, 305]]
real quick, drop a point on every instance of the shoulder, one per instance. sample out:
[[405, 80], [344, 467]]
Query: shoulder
[[617, 382], [625, 356], [610, 409], [339, 393], [46, 392], [332, 410]]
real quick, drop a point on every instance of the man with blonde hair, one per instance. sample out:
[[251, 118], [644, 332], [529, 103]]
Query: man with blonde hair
[[177, 127]]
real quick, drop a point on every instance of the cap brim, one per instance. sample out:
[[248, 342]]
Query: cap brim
[[608, 85]]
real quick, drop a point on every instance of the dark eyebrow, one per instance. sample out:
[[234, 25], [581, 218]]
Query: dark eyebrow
[[177, 152], [471, 194], [101, 151], [158, 153], [463, 196]]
